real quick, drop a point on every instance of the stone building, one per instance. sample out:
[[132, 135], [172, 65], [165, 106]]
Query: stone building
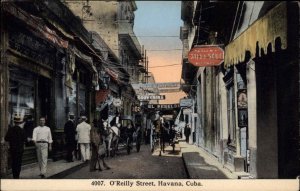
[[48, 69], [113, 21], [248, 107]]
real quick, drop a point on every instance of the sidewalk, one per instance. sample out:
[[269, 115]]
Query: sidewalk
[[55, 170], [201, 165]]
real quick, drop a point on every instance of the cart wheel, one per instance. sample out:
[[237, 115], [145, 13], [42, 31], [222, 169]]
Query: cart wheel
[[128, 146], [138, 146]]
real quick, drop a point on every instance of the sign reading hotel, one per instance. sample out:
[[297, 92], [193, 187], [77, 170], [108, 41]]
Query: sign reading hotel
[[206, 55], [151, 97]]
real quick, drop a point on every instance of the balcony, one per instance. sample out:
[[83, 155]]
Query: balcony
[[187, 9], [127, 35]]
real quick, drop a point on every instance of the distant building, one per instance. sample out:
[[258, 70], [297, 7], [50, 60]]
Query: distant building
[[113, 21]]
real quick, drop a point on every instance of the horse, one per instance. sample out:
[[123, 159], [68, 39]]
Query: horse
[[110, 136], [162, 132], [115, 139]]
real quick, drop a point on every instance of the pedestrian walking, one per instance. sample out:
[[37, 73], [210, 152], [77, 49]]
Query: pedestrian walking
[[43, 139], [95, 142], [70, 133], [187, 132], [84, 139], [16, 138]]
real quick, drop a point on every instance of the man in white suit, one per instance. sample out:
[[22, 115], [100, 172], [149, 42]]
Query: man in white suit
[[83, 132]]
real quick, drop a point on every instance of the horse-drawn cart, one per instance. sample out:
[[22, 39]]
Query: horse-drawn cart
[[130, 133]]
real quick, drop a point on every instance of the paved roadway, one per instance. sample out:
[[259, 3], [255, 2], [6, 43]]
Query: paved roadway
[[142, 165]]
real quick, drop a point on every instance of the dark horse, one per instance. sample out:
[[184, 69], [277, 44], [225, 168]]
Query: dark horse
[[162, 132]]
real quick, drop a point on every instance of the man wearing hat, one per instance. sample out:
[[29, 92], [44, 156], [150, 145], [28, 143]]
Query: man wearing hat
[[83, 131], [16, 138], [70, 133]]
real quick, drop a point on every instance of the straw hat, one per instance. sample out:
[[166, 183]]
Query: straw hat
[[18, 119], [83, 117]]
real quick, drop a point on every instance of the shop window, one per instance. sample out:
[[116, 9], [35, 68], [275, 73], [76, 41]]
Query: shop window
[[21, 98], [72, 98], [240, 83], [231, 115], [82, 100]]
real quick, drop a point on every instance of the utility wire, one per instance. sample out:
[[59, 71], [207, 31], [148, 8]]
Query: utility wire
[[166, 50], [158, 36], [164, 66], [176, 49]]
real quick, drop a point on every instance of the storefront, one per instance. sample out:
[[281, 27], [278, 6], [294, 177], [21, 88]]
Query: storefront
[[29, 63], [265, 68], [43, 75]]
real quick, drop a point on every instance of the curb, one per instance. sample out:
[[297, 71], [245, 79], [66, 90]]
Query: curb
[[68, 171], [185, 167]]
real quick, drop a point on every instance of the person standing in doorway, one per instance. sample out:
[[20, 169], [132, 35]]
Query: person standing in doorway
[[70, 132], [187, 132], [43, 139], [16, 138], [28, 128], [83, 131]]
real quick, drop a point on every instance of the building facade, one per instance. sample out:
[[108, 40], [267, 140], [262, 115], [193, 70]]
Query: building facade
[[113, 21], [48, 69], [243, 103]]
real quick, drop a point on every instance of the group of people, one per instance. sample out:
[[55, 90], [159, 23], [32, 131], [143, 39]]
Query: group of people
[[82, 136], [16, 137]]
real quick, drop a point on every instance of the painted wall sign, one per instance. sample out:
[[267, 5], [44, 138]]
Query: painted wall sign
[[206, 55]]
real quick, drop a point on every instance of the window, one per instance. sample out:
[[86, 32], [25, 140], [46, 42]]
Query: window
[[231, 114], [21, 98]]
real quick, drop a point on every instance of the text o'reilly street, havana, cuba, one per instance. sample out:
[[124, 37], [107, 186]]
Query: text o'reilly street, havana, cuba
[[128, 183]]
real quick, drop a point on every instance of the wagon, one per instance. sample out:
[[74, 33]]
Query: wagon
[[125, 139]]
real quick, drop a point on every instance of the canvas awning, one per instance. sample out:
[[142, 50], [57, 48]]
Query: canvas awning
[[259, 35]]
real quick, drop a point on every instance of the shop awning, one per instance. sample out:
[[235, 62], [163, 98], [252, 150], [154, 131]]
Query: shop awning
[[262, 33], [86, 60], [36, 24]]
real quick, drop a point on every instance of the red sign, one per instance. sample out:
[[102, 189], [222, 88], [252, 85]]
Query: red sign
[[206, 55]]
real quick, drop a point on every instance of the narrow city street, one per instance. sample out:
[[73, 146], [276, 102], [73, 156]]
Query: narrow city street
[[142, 165], [218, 80]]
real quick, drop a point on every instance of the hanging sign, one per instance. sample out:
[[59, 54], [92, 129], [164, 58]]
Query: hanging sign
[[151, 97], [157, 85], [186, 102], [163, 106], [206, 55]]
